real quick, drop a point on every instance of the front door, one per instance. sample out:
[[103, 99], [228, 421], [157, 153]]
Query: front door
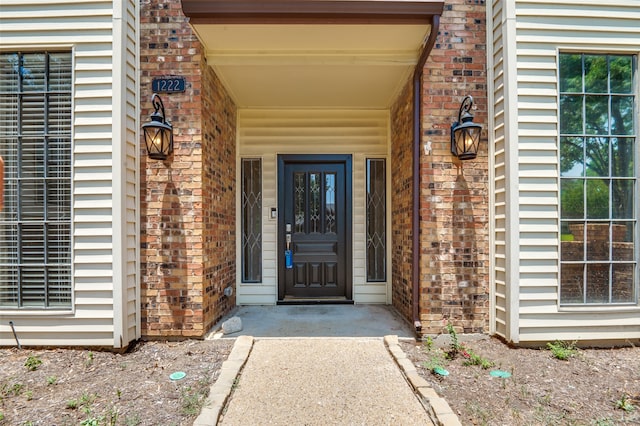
[[314, 228]]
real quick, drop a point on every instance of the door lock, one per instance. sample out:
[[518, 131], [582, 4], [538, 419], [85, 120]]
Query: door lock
[[288, 254]]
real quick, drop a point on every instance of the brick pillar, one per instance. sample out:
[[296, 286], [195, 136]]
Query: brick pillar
[[402, 201], [187, 201], [454, 210]]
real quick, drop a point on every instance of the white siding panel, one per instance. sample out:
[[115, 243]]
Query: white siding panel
[[525, 190], [102, 36], [267, 133], [495, 79]]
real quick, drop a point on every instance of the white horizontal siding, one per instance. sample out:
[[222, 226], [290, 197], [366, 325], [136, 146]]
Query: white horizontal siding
[[267, 133], [104, 131], [542, 28], [125, 155]]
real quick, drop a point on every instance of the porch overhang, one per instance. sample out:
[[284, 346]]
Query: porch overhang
[[312, 53]]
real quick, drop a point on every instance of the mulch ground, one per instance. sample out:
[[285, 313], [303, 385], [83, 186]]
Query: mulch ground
[[592, 387], [84, 387]]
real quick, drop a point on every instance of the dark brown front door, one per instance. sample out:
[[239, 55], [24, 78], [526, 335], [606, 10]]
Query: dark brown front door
[[314, 227]]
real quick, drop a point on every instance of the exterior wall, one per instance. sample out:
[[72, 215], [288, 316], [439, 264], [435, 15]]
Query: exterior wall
[[402, 200], [188, 216], [102, 36], [525, 38], [267, 133], [219, 197], [126, 175], [454, 209]]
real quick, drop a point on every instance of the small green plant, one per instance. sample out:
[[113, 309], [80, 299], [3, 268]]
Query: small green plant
[[455, 346], [1, 416], [436, 361], [87, 399], [89, 359], [29, 395], [562, 350], [72, 404], [474, 359], [625, 403], [479, 413], [191, 401], [607, 421], [118, 393], [429, 343], [52, 380], [17, 388], [32, 363], [92, 421], [27, 423], [112, 416]]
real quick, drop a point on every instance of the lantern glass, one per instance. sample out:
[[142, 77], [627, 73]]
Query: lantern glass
[[466, 140], [465, 134], [158, 133], [158, 138]]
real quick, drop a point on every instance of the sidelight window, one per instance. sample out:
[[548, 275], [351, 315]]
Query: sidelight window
[[376, 220], [251, 220]]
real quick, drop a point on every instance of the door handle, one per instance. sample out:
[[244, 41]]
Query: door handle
[[288, 254]]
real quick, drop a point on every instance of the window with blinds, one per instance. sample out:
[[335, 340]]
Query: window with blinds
[[35, 143]]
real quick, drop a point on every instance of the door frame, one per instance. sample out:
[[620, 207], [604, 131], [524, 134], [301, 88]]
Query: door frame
[[345, 159]]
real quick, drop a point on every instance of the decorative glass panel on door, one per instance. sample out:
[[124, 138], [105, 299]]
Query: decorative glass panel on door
[[299, 201], [330, 203]]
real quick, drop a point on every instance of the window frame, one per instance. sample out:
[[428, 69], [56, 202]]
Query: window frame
[[385, 237], [243, 259], [611, 305], [69, 308]]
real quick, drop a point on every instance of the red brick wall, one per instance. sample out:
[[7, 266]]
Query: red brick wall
[[402, 201], [219, 197], [454, 207], [188, 201]]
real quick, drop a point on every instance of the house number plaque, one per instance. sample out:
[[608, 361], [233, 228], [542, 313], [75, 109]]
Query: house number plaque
[[168, 84]]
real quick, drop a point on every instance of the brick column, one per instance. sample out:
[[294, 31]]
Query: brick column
[[188, 201], [402, 201], [454, 210]]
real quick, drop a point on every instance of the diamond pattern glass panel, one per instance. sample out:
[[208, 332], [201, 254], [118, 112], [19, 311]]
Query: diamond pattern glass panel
[[251, 220], [376, 220], [314, 203], [299, 200], [330, 203]]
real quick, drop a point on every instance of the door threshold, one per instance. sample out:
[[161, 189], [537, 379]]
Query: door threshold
[[291, 300]]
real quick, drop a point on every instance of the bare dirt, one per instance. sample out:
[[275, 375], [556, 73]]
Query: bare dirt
[[592, 387], [83, 387], [89, 387]]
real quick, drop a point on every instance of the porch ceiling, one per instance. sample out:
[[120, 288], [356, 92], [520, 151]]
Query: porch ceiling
[[312, 53]]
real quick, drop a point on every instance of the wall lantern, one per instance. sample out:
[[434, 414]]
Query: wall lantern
[[465, 134], [158, 133]]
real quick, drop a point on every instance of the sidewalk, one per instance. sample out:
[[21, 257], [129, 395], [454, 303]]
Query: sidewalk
[[321, 381]]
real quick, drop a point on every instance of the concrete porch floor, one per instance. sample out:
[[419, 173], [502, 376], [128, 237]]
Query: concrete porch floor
[[321, 321]]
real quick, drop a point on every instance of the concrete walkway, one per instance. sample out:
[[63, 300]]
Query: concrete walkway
[[322, 381]]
